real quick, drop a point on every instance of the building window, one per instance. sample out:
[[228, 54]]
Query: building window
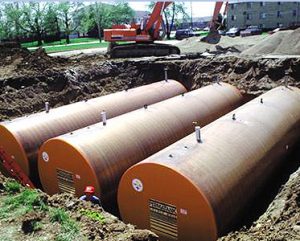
[[249, 5], [294, 13], [233, 6], [279, 25], [279, 14], [262, 25], [262, 15], [279, 3], [249, 16], [262, 4], [233, 17]]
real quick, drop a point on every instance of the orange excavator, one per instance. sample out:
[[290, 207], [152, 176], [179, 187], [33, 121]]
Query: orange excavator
[[141, 35], [217, 23]]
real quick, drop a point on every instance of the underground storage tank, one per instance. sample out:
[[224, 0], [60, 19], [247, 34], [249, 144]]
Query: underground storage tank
[[195, 188], [21, 137], [99, 155]]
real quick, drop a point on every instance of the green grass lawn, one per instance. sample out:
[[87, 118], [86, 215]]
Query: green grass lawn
[[62, 48], [62, 42]]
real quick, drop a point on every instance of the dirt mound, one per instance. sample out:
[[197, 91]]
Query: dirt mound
[[280, 43], [18, 61], [39, 60], [8, 55], [290, 45], [27, 214], [226, 44]]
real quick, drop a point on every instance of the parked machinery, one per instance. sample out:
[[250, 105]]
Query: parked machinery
[[194, 189], [99, 155], [142, 36], [21, 138]]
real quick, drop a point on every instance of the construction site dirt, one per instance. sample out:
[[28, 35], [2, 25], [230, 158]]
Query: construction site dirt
[[28, 80]]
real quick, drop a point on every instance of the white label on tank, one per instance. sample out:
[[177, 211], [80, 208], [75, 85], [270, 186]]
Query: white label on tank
[[183, 211], [78, 176], [137, 185], [45, 156]]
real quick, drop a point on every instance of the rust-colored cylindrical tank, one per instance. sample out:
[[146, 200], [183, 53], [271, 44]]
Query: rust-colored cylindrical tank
[[22, 137], [99, 155], [195, 190]]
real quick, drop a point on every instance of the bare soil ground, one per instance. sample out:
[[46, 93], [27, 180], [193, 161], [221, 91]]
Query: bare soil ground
[[27, 80]]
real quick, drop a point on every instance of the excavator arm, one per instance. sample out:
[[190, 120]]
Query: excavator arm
[[156, 18], [213, 36]]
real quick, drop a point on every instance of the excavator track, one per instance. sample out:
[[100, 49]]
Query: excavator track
[[142, 50]]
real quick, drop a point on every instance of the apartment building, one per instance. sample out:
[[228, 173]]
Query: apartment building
[[267, 15]]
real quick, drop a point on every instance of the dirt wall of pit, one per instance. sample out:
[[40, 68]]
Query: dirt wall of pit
[[64, 81]]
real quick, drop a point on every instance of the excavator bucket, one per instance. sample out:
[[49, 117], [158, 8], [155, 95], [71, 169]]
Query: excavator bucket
[[213, 37]]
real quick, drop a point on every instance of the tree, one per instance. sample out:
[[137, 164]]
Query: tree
[[11, 15], [66, 12], [51, 20], [33, 19], [5, 26], [104, 15], [122, 13], [101, 15]]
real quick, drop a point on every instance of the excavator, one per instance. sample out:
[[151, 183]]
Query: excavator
[[141, 36]]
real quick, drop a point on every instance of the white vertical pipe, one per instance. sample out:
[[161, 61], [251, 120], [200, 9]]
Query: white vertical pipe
[[103, 118], [198, 133], [47, 107]]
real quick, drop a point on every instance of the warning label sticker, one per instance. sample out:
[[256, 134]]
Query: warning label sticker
[[163, 218]]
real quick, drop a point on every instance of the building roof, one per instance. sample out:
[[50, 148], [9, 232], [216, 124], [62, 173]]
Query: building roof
[[140, 14]]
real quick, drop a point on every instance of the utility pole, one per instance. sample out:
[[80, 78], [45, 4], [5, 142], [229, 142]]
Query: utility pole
[[191, 5], [298, 9]]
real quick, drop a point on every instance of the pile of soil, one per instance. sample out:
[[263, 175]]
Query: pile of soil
[[20, 61], [9, 55], [39, 60], [37, 222], [280, 43], [226, 44]]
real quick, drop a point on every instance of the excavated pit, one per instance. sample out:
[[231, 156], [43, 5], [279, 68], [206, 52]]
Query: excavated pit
[[28, 84], [27, 81]]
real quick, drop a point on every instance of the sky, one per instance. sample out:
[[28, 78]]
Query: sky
[[198, 9]]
